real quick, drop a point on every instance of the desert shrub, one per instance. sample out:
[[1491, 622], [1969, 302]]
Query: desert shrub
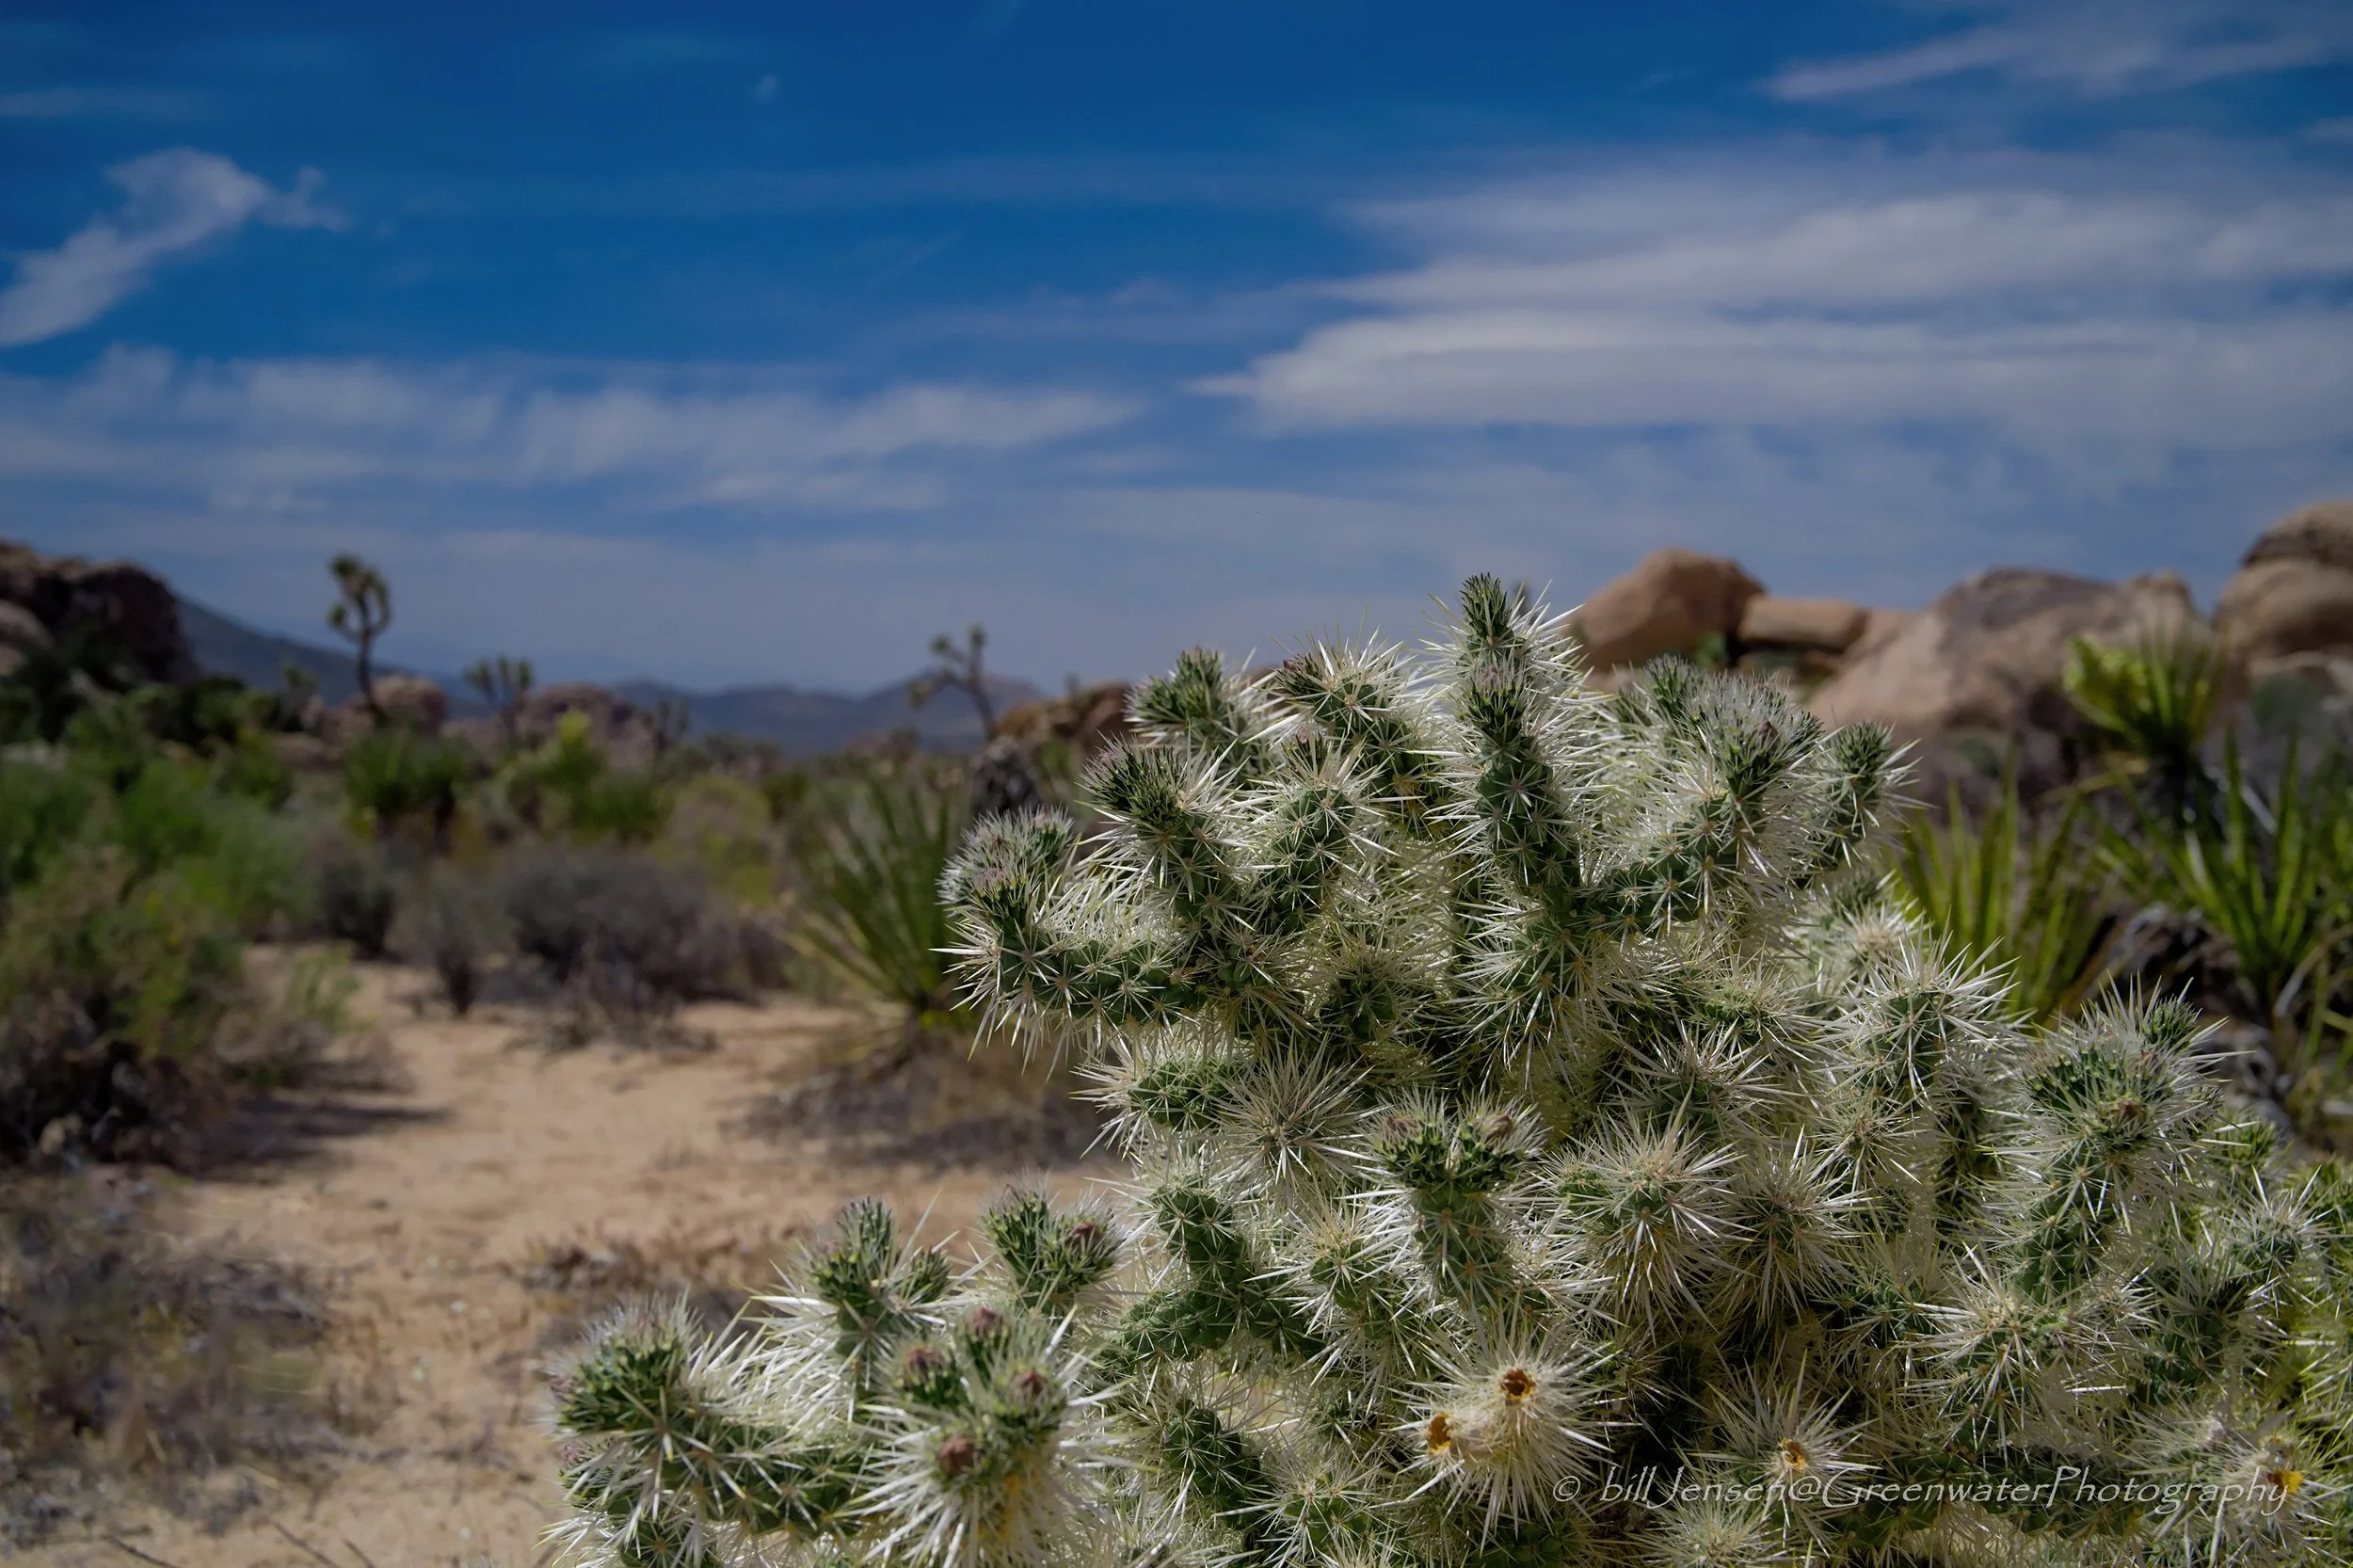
[[397, 779], [173, 817], [1527, 1090], [2268, 872], [2241, 854], [456, 924], [113, 985], [132, 896], [52, 686], [110, 742], [722, 826], [297, 1009], [2025, 893], [871, 918], [2155, 701], [214, 719], [630, 930], [251, 770], [43, 805], [629, 807], [786, 790], [570, 785], [355, 891], [116, 1351], [551, 896]]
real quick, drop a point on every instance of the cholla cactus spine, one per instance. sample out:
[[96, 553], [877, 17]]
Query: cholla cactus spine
[[1530, 1093]]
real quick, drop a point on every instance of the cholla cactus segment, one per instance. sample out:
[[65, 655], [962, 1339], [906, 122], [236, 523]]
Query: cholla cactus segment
[[1551, 1144]]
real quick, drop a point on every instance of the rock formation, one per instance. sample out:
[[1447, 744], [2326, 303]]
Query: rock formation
[[1671, 603], [2293, 591], [131, 608]]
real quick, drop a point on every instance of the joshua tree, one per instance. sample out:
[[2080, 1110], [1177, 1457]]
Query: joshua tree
[[959, 667], [361, 615], [505, 685], [1548, 1147]]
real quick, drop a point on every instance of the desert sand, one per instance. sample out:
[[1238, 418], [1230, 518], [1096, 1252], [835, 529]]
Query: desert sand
[[459, 1220]]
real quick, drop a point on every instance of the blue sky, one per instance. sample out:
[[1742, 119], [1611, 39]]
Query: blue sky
[[761, 342]]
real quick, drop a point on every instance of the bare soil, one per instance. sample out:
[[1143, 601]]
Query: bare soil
[[465, 1214]]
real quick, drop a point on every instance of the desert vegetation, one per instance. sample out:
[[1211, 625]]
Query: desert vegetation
[[189, 870], [1528, 1092], [1531, 1079]]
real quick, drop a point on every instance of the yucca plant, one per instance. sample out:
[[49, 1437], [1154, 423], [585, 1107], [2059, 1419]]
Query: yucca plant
[[1549, 1147], [873, 920], [2269, 872], [2155, 699], [395, 779], [2031, 897]]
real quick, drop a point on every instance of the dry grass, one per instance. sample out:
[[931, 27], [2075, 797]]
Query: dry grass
[[128, 1366]]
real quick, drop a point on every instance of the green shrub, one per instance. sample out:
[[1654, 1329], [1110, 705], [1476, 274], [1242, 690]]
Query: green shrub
[[113, 985], [253, 770], [2030, 898], [872, 864], [50, 686], [570, 785], [397, 779], [623, 807], [42, 809], [722, 826], [173, 817], [1527, 1090], [786, 790], [2155, 700], [2269, 872], [110, 740]]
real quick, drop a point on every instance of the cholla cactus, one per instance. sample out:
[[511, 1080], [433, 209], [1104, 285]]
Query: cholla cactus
[[1550, 1146]]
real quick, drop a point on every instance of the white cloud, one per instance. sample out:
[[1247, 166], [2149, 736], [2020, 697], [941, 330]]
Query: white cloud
[[274, 433], [2026, 301], [175, 202], [2098, 46]]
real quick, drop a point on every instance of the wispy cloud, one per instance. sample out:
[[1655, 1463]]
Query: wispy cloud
[[175, 204], [272, 433], [2195, 319], [2097, 47]]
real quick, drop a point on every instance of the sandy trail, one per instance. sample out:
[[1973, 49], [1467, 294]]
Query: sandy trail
[[424, 1215]]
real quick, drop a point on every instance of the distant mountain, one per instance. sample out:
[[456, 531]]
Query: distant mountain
[[224, 646], [808, 722], [798, 721]]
